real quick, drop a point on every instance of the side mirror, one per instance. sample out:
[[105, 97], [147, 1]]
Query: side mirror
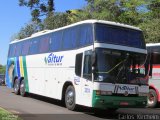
[[93, 58], [93, 70]]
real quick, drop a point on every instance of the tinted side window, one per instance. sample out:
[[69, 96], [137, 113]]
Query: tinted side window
[[18, 49], [155, 55], [70, 38], [55, 42], [87, 69], [44, 44], [25, 48], [12, 50], [156, 58], [86, 35], [78, 64], [34, 45]]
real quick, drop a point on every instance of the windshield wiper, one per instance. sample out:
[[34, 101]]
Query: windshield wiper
[[122, 74]]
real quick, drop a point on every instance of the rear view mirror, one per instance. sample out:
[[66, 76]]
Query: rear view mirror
[[93, 58]]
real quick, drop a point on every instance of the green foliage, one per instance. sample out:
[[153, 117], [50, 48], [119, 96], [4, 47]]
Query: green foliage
[[39, 8], [28, 30], [2, 69], [6, 115], [154, 7], [55, 21], [103, 9], [151, 30], [142, 13], [128, 12]]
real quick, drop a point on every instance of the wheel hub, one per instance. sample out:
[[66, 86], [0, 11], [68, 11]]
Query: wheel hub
[[70, 97], [151, 98]]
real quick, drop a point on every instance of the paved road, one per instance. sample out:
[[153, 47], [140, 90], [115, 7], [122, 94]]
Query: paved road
[[41, 108]]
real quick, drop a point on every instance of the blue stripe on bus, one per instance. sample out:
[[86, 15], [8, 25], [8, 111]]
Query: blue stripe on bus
[[18, 67], [8, 83], [15, 68]]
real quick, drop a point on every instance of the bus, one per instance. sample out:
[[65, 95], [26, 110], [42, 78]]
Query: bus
[[92, 63], [153, 64]]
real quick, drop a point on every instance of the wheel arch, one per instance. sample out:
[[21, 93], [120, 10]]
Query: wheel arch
[[16, 77], [22, 78], [157, 92], [66, 84]]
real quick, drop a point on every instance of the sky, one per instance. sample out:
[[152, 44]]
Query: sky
[[13, 18]]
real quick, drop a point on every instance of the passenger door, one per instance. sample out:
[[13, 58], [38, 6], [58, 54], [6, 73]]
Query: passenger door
[[87, 84]]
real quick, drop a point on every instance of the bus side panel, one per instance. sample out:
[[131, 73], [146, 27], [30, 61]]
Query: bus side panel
[[154, 81], [60, 72], [9, 72], [25, 74], [48, 72], [35, 74]]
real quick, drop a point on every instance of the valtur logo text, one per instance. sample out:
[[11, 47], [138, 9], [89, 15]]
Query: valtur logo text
[[52, 58]]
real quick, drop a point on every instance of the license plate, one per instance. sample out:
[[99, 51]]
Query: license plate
[[124, 103]]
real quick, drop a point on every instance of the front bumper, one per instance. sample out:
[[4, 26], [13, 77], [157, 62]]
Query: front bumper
[[104, 102]]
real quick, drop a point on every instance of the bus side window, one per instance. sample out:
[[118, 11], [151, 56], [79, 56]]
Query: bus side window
[[87, 69], [78, 64], [155, 61]]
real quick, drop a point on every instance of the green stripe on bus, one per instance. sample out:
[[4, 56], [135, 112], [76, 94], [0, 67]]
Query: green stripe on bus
[[25, 74]]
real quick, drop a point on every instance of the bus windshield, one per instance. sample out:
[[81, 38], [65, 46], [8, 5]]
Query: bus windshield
[[119, 36], [115, 66]]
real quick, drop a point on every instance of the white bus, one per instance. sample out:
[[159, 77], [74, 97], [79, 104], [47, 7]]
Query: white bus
[[153, 64], [91, 63]]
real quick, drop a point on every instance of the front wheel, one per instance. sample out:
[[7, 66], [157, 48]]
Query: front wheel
[[152, 98], [70, 98]]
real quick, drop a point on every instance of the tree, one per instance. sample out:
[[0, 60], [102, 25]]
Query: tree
[[39, 8], [154, 9], [28, 30], [2, 69], [151, 29], [123, 11], [142, 13], [55, 21], [103, 9]]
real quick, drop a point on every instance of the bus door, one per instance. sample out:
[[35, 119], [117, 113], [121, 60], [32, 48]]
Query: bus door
[[87, 84]]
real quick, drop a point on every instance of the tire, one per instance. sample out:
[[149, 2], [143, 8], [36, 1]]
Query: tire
[[22, 89], [16, 87], [152, 98], [70, 98]]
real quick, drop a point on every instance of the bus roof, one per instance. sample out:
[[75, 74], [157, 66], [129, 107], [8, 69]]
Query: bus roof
[[152, 44], [78, 23]]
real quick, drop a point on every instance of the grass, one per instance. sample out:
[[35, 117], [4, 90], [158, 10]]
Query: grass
[[5, 115]]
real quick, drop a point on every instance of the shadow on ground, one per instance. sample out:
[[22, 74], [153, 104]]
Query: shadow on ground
[[81, 109]]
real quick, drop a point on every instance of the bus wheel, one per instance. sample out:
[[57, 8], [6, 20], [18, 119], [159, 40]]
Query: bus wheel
[[22, 88], [152, 98], [16, 86], [70, 98]]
